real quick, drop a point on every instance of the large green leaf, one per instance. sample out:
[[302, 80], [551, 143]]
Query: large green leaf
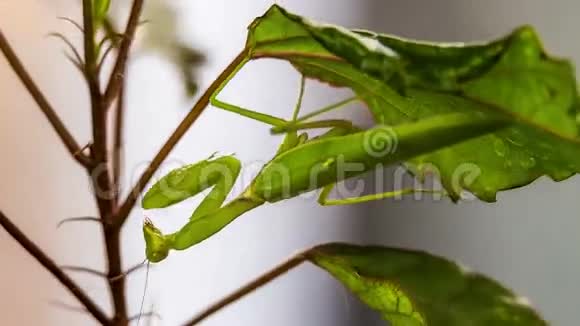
[[403, 80], [412, 288]]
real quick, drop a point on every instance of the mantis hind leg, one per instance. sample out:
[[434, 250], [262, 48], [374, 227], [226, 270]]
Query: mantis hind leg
[[328, 108], [254, 115], [332, 123], [324, 194], [262, 117], [302, 123], [292, 139], [273, 120], [251, 114]]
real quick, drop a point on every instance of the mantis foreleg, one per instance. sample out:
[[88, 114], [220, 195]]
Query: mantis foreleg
[[190, 180], [186, 182]]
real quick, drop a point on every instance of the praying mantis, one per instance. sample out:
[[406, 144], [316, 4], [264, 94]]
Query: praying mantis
[[300, 165]]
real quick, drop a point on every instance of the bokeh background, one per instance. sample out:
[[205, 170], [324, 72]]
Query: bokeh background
[[529, 240]]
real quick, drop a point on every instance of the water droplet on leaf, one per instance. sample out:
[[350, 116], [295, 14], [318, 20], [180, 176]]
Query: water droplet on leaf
[[500, 147], [528, 163]]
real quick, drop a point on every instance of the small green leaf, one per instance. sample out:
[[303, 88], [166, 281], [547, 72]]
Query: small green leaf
[[412, 288], [162, 36], [404, 80], [100, 9]]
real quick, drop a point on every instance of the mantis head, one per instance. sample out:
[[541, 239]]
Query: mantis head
[[157, 245]]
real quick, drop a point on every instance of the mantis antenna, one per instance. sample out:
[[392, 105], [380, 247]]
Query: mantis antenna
[[144, 293]]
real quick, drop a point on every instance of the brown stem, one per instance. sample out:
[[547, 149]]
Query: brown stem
[[116, 79], [68, 140], [49, 264], [117, 286], [99, 170], [118, 141], [101, 173], [185, 124], [250, 287]]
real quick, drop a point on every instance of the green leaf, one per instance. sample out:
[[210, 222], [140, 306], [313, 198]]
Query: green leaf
[[404, 80], [412, 288], [100, 9], [162, 37]]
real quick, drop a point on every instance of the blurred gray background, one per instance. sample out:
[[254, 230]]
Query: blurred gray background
[[529, 240]]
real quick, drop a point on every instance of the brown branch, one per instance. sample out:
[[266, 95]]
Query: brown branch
[[49, 264], [116, 79], [250, 287], [42, 102], [185, 124]]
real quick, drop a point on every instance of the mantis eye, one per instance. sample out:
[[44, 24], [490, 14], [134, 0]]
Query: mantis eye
[[157, 245]]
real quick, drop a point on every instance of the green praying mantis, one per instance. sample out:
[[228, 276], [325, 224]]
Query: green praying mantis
[[300, 165]]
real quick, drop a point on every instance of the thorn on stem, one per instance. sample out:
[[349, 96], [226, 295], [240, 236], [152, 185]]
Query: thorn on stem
[[78, 219], [68, 43], [74, 23], [104, 56], [68, 307], [81, 68], [150, 314], [143, 22], [128, 272], [88, 146], [84, 270]]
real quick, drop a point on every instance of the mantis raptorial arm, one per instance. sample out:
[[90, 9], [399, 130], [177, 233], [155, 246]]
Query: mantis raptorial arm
[[180, 184]]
